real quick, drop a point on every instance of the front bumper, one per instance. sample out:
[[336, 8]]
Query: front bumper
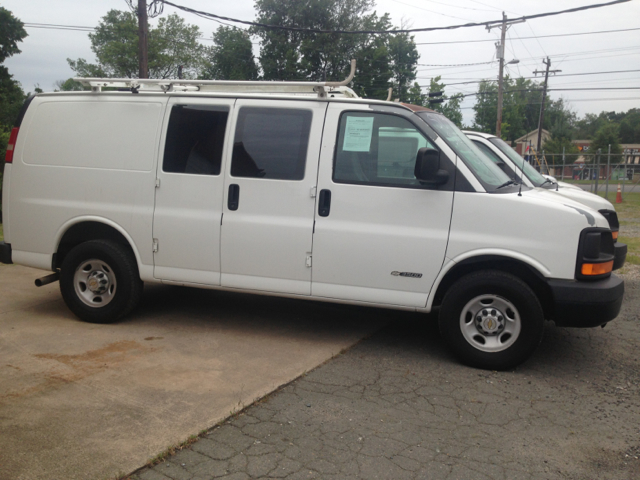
[[586, 304], [620, 255], [5, 253]]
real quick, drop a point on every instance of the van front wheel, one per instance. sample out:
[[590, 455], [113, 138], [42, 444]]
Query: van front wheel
[[99, 281], [491, 320]]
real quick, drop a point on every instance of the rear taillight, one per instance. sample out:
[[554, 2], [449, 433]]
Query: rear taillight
[[8, 158]]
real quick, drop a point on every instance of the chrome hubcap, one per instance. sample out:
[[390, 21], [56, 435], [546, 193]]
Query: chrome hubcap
[[95, 283], [490, 323]]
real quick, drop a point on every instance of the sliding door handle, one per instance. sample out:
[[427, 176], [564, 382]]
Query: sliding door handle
[[324, 203], [233, 199]]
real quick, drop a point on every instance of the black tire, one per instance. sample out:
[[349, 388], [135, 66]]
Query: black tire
[[99, 281], [491, 320]]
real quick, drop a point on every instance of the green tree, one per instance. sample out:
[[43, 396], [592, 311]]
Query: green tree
[[293, 55], [416, 96], [231, 57], [11, 32], [172, 44], [11, 95], [382, 61], [630, 127], [450, 107], [587, 127], [520, 108], [68, 85], [486, 107], [560, 141], [373, 69], [404, 58], [607, 134]]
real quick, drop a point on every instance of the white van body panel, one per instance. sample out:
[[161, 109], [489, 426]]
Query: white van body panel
[[104, 169], [6, 198], [589, 199], [569, 185], [481, 223], [146, 270]]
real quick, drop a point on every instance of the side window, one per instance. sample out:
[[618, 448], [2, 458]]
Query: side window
[[271, 143], [195, 138], [493, 157], [377, 149]]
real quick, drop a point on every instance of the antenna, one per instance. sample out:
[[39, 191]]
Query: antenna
[[521, 177]]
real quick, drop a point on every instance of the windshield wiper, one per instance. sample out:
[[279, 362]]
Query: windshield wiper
[[548, 180], [508, 182]]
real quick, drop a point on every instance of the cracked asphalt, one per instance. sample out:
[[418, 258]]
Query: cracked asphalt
[[398, 406]]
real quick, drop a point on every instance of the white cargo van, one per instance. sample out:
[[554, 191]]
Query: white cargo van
[[301, 191]]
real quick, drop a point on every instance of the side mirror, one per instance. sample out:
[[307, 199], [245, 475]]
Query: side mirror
[[427, 168]]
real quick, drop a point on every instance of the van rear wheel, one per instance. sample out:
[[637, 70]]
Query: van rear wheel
[[99, 281], [491, 320]]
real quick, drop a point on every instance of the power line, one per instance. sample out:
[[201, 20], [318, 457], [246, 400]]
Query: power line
[[454, 65], [572, 100], [377, 32], [430, 11], [553, 90], [570, 54], [530, 78], [535, 37], [59, 27]]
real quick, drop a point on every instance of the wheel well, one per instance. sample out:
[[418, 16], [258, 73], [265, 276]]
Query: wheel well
[[83, 232], [525, 272]]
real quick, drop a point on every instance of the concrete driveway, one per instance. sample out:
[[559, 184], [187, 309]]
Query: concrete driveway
[[84, 401]]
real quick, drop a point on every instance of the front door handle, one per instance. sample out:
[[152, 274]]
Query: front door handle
[[234, 196], [324, 203]]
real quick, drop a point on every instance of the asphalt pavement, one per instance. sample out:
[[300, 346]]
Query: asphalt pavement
[[398, 406]]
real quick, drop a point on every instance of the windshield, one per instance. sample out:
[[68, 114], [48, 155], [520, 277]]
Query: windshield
[[487, 172], [531, 173]]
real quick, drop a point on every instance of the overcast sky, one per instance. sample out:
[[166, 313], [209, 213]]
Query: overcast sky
[[44, 51]]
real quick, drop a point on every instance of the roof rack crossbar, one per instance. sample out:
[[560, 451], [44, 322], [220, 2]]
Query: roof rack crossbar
[[170, 85]]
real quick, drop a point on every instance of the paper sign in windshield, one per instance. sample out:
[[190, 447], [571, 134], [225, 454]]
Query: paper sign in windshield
[[357, 134]]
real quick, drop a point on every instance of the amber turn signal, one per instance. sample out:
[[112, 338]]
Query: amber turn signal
[[597, 268], [614, 235]]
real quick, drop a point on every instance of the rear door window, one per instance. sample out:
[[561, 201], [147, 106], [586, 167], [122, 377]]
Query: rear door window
[[195, 138]]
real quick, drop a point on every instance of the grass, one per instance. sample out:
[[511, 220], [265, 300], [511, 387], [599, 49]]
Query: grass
[[629, 216], [633, 249]]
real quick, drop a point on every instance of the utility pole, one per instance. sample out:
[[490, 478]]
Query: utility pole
[[544, 96], [500, 54], [500, 74], [143, 31]]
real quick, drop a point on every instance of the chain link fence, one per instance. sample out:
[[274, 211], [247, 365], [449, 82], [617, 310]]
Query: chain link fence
[[594, 173]]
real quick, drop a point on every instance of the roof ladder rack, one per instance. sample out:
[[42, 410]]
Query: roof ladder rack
[[321, 89]]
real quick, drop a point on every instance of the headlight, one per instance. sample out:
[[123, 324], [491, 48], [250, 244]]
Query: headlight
[[614, 224], [595, 254]]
